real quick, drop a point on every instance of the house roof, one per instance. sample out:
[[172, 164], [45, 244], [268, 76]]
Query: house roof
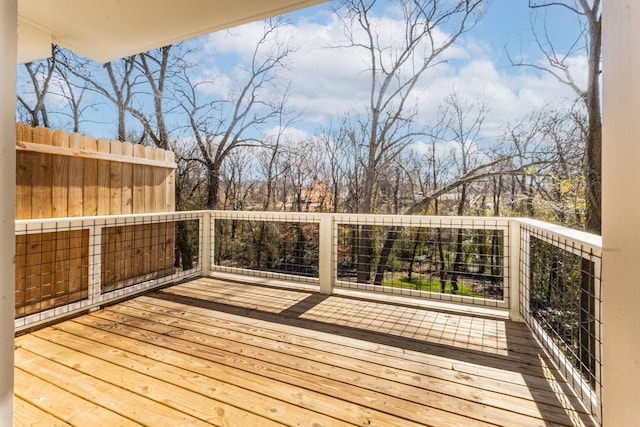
[[104, 30]]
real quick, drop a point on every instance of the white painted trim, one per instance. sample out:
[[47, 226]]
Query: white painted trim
[[95, 225], [620, 212], [326, 260], [8, 58], [85, 154], [263, 274], [512, 273]]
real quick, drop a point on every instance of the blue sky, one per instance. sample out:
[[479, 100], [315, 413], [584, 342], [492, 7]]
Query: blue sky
[[328, 82]]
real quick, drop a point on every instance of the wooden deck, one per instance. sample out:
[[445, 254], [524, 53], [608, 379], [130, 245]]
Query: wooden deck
[[212, 352]]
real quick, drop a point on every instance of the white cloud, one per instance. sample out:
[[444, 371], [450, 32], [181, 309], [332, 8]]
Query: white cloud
[[327, 81], [289, 135]]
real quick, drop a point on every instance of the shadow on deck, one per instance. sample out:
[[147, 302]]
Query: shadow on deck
[[214, 352]]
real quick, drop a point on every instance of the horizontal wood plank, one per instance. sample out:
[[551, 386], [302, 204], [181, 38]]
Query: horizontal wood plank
[[91, 154], [213, 352], [32, 416]]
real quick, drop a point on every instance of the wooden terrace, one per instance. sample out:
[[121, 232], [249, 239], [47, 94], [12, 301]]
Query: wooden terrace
[[216, 352]]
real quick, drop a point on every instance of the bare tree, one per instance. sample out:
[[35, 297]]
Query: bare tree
[[430, 28], [237, 183], [39, 75], [395, 70], [588, 40], [72, 89], [118, 86], [334, 169], [221, 126], [127, 84], [463, 127], [158, 67]]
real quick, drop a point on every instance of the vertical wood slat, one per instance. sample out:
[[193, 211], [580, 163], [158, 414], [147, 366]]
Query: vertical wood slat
[[60, 182], [24, 185], [170, 189], [21, 275], [104, 179], [42, 175], [52, 267], [138, 180], [127, 180], [90, 187], [115, 180], [159, 185], [75, 204], [149, 182], [32, 294]]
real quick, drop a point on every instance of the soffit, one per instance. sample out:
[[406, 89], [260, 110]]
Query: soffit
[[104, 30]]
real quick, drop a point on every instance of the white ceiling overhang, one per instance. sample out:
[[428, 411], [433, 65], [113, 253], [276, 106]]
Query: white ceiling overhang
[[104, 30]]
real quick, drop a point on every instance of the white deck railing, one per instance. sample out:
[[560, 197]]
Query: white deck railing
[[546, 275], [60, 263], [560, 289]]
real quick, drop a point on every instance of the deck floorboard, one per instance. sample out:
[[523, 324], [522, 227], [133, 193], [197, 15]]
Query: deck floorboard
[[221, 353]]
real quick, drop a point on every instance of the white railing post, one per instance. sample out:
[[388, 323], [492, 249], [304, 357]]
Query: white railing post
[[207, 243], [325, 255], [513, 278], [95, 261], [8, 32], [620, 212]]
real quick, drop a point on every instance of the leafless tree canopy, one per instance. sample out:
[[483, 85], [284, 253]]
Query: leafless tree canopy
[[379, 158]]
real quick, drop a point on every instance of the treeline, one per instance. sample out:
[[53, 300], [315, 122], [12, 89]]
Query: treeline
[[383, 159]]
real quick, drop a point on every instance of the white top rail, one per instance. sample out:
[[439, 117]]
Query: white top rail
[[577, 236], [581, 237], [80, 221]]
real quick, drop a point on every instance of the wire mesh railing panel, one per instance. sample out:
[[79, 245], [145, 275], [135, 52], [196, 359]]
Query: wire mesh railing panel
[[141, 250], [64, 266], [267, 248], [71, 264], [561, 301], [441, 260], [52, 269]]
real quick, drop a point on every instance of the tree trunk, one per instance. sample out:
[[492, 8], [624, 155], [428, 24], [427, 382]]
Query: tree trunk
[[365, 251], [365, 247], [414, 252], [457, 263], [593, 149], [184, 252], [587, 330], [213, 185], [384, 255], [442, 263]]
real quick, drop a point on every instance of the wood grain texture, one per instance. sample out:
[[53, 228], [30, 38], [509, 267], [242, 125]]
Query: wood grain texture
[[90, 179], [136, 253], [51, 270], [115, 180], [104, 179], [227, 353], [139, 180], [66, 175], [60, 179], [127, 180], [69, 175], [76, 178]]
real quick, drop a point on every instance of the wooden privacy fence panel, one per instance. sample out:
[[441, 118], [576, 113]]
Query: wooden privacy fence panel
[[136, 253], [52, 270], [61, 174], [68, 175]]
